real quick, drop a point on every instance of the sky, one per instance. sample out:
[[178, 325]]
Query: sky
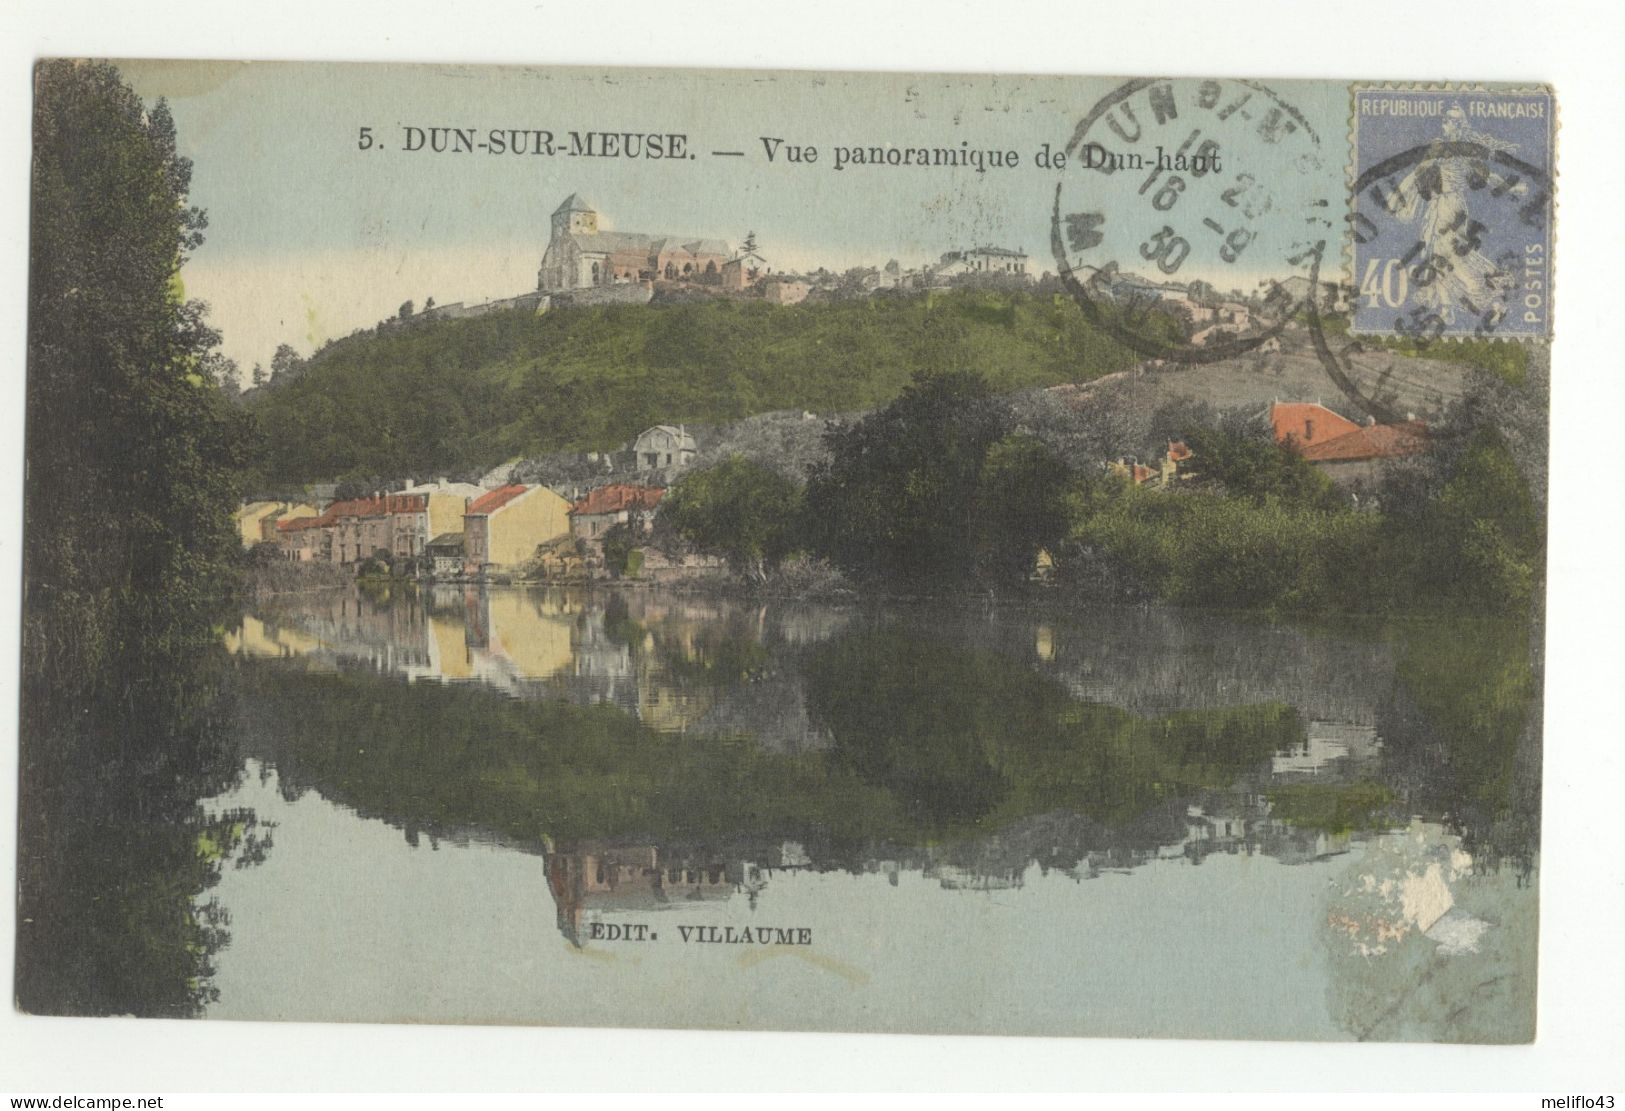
[[311, 237]]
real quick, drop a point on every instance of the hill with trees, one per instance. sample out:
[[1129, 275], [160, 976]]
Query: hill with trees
[[458, 396]]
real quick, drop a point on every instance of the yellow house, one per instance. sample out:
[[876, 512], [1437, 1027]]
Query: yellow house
[[251, 517], [291, 511], [503, 528], [257, 520]]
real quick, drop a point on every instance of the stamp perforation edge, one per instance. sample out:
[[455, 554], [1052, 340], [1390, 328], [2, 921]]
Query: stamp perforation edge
[[1352, 175]]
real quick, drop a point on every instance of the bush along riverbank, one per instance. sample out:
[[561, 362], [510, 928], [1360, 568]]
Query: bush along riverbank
[[943, 491]]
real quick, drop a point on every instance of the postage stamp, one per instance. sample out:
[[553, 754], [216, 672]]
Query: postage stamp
[[1452, 212]]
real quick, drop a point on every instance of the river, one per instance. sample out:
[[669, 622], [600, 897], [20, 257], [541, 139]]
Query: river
[[564, 806]]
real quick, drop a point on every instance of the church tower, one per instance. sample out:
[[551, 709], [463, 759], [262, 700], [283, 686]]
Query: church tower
[[574, 217], [561, 264]]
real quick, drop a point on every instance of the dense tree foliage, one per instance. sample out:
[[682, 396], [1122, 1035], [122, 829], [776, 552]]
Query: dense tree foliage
[[441, 396], [935, 491], [1457, 527], [1249, 463], [135, 457], [737, 509]]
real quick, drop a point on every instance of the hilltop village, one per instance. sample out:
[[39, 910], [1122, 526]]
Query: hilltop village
[[588, 264], [578, 515]]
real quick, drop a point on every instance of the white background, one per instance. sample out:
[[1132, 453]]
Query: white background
[[1577, 47]]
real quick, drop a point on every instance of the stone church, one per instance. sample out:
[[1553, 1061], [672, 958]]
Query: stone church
[[579, 256]]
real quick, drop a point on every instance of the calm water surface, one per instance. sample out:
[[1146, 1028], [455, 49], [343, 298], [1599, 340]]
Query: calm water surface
[[990, 817]]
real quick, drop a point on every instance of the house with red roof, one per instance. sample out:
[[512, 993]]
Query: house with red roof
[[617, 504], [1178, 452], [1164, 474], [365, 528], [1344, 451], [307, 539], [502, 528], [1307, 423], [1136, 472]]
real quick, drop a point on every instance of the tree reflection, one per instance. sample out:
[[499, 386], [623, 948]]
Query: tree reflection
[[931, 743], [962, 736], [1463, 734], [116, 853]]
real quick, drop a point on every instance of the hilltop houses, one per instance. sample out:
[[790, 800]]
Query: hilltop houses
[[743, 270], [980, 261], [1164, 475]]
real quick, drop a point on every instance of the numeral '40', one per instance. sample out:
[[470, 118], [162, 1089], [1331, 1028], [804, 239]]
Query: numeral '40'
[[1390, 285]]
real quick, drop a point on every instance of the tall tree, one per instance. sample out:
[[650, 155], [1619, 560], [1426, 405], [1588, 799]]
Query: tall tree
[[738, 509], [933, 493], [223, 372], [285, 364], [133, 456]]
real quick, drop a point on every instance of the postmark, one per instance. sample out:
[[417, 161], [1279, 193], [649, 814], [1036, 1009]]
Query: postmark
[[1451, 212], [1214, 243]]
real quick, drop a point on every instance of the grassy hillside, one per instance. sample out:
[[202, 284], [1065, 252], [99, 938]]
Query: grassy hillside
[[456, 395]]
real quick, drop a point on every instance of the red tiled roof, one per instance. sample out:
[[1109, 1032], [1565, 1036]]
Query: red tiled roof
[[379, 507], [1178, 451], [1376, 441], [297, 524], [618, 497], [494, 500], [1308, 423]]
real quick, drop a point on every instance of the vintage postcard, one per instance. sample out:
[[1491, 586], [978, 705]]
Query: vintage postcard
[[869, 552]]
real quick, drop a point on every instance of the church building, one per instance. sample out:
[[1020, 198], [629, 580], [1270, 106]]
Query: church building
[[580, 256]]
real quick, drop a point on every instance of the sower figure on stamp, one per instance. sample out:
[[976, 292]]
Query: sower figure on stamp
[[1458, 274]]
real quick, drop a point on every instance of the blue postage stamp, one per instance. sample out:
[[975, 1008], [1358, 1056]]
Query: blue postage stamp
[[1452, 213]]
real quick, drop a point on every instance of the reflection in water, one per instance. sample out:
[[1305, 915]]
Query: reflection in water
[[117, 857], [1359, 799], [675, 663], [665, 754]]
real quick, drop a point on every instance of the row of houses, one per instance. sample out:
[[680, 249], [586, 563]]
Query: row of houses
[[452, 529]]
